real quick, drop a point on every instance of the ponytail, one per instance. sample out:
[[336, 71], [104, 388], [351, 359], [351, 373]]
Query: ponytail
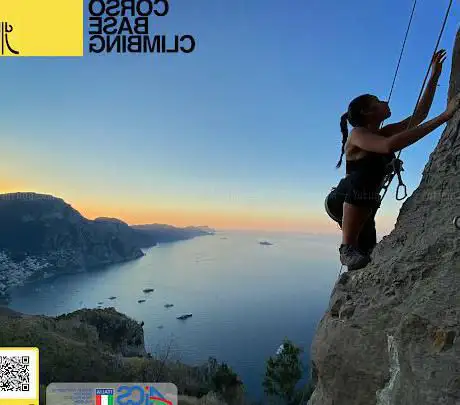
[[344, 129]]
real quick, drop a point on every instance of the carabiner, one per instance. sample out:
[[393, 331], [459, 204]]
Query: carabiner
[[397, 192], [400, 184]]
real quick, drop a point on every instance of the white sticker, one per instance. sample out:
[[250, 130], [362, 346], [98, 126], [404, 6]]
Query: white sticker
[[111, 394]]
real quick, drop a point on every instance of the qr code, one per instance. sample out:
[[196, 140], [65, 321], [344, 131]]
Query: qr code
[[18, 373], [14, 373]]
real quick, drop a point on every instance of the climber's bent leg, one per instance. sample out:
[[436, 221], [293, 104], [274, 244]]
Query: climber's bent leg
[[367, 238], [354, 218], [358, 210], [349, 205]]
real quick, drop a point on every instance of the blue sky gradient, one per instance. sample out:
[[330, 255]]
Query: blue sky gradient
[[245, 127]]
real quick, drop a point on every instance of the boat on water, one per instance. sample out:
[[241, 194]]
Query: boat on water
[[265, 243], [185, 316]]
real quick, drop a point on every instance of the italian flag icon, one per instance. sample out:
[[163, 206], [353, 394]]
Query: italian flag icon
[[104, 396]]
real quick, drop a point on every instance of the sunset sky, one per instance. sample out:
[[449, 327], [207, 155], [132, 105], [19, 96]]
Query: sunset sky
[[242, 134]]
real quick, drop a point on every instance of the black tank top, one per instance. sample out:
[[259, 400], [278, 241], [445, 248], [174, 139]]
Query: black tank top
[[372, 167]]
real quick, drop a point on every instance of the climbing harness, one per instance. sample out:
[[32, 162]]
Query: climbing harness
[[397, 163]]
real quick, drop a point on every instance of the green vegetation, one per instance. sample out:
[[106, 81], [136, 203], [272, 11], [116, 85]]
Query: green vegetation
[[283, 374], [225, 382], [102, 345]]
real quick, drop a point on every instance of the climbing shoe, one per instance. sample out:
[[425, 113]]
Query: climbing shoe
[[353, 258]]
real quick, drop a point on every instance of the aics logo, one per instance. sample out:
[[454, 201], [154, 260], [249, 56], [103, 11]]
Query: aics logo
[[5, 30]]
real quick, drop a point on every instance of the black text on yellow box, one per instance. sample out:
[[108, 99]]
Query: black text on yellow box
[[41, 28]]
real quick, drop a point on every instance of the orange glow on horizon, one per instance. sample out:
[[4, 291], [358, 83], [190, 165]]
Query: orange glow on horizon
[[10, 185], [221, 219], [214, 219]]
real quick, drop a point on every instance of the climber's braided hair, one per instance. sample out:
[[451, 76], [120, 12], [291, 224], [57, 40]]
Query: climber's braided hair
[[355, 117]]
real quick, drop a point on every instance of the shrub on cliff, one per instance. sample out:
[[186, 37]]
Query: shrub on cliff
[[283, 374]]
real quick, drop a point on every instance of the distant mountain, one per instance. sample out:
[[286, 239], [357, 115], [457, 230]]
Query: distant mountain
[[37, 224], [140, 238], [112, 220], [203, 228], [167, 233], [41, 234]]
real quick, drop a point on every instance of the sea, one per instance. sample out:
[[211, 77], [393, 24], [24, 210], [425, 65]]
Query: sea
[[245, 296]]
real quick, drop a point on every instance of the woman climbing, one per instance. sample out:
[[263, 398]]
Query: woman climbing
[[368, 150]]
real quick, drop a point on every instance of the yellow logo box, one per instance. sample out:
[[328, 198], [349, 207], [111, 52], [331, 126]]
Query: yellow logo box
[[41, 28]]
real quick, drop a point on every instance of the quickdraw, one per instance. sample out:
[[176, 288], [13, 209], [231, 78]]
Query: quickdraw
[[395, 167]]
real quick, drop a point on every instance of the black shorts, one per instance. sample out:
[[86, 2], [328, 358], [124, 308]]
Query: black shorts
[[355, 192], [356, 189]]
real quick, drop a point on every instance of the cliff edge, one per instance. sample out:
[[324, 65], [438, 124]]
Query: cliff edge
[[103, 345], [391, 334]]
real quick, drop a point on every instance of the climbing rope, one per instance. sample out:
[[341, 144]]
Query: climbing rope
[[402, 50], [397, 163]]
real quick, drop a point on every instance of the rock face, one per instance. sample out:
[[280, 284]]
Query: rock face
[[391, 335]]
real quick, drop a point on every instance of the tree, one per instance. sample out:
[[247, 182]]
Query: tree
[[224, 381], [283, 373]]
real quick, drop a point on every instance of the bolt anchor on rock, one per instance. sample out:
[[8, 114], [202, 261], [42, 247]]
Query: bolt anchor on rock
[[456, 222]]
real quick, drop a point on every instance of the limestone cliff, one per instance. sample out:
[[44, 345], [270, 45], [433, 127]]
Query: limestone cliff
[[391, 335], [42, 235]]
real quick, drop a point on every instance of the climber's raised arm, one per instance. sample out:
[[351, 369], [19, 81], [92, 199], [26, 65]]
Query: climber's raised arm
[[366, 140], [424, 106]]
